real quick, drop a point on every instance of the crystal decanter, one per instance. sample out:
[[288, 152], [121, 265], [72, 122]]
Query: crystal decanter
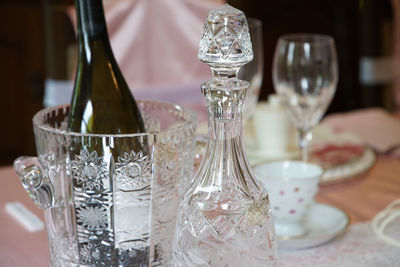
[[224, 219]]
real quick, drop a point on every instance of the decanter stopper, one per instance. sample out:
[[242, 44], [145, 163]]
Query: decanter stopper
[[225, 46], [226, 40]]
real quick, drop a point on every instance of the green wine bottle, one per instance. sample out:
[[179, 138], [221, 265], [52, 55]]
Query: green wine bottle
[[102, 102]]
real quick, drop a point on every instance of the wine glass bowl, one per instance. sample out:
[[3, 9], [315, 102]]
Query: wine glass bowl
[[305, 75], [253, 71]]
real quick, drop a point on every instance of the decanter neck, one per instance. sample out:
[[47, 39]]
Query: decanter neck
[[224, 99], [225, 161], [221, 73]]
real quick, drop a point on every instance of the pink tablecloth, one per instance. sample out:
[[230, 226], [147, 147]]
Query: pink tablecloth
[[376, 127], [18, 247]]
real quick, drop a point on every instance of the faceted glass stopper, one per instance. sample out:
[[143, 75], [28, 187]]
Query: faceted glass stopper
[[226, 38]]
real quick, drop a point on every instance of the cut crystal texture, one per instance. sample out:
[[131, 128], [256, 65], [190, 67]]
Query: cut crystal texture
[[104, 208], [226, 38], [224, 219]]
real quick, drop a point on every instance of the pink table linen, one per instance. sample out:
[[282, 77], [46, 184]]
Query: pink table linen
[[361, 198], [18, 247], [378, 128]]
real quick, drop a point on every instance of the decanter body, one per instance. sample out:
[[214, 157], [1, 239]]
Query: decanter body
[[224, 219]]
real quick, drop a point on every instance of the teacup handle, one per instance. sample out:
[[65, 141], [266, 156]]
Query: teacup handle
[[35, 181]]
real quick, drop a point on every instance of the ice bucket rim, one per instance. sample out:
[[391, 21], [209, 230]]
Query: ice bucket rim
[[191, 121]]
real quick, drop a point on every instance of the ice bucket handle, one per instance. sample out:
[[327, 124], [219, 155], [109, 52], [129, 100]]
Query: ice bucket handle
[[35, 181]]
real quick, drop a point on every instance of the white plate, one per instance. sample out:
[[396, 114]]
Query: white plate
[[323, 134], [323, 223], [349, 170]]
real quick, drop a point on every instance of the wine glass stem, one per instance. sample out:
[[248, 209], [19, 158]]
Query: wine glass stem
[[304, 139]]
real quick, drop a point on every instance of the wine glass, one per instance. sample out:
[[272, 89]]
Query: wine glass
[[305, 75], [253, 71]]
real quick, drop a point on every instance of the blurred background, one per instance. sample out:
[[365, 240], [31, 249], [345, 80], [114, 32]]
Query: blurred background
[[37, 45]]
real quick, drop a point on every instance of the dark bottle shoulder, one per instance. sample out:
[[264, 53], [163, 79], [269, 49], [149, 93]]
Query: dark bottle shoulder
[[106, 101]]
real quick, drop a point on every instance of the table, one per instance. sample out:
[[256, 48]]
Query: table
[[361, 198]]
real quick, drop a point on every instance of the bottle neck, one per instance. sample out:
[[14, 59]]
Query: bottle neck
[[92, 31], [91, 20]]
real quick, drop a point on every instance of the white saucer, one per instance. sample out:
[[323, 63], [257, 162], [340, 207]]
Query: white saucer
[[323, 223]]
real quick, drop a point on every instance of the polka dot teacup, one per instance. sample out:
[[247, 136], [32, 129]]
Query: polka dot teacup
[[292, 186]]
